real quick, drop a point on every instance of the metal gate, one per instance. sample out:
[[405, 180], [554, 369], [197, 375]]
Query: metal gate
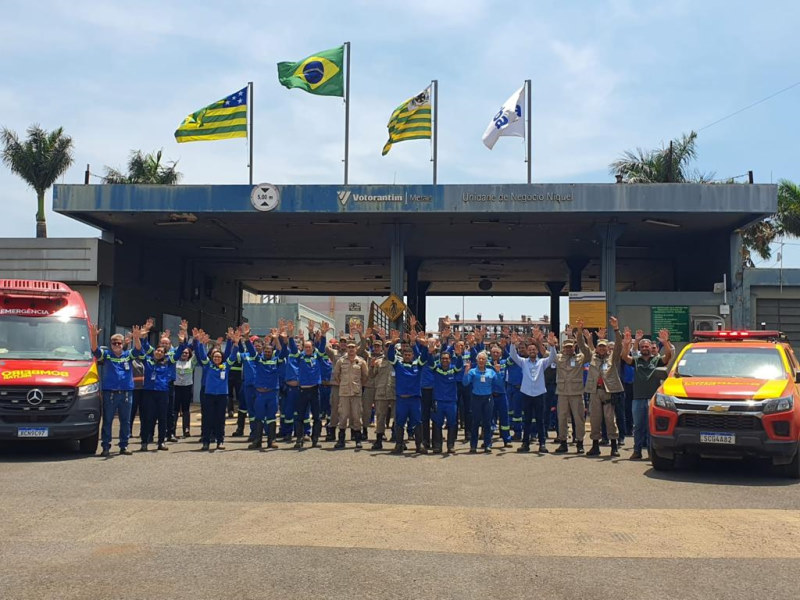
[[782, 314]]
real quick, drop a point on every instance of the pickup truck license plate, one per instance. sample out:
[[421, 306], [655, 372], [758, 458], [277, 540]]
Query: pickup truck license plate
[[33, 432], [708, 437]]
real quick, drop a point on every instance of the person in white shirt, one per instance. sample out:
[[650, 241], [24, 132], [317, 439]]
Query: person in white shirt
[[533, 387]]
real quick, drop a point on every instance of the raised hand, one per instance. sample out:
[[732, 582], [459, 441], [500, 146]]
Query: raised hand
[[626, 335], [639, 335], [311, 324], [552, 340], [236, 336], [663, 336], [579, 324], [614, 323], [245, 329], [149, 324], [184, 325], [290, 327], [587, 335], [601, 333]]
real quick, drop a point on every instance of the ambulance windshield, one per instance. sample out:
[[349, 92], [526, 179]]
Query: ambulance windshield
[[44, 338]]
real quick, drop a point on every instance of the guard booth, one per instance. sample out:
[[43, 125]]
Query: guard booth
[[192, 250]]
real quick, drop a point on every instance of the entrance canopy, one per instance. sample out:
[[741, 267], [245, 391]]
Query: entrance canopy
[[341, 239]]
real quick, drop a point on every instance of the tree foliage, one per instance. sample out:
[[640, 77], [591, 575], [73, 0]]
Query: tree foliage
[[39, 160], [145, 168]]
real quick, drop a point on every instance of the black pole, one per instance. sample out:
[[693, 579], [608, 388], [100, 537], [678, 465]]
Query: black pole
[[750, 177], [86, 176]]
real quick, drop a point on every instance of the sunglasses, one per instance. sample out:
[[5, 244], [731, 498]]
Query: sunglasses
[[116, 343]]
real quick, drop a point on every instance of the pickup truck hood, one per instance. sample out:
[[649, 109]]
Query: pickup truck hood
[[725, 388], [45, 372]]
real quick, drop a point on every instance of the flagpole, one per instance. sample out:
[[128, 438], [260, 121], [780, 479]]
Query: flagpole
[[346, 111], [528, 132], [435, 89], [250, 102]]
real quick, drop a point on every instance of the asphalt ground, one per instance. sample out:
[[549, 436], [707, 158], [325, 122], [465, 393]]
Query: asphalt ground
[[325, 523]]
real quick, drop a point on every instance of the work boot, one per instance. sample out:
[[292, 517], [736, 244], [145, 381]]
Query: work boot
[[364, 434], [330, 434], [595, 449], [316, 429], [143, 448], [562, 449], [636, 455], [299, 435], [579, 447], [340, 443], [614, 450], [186, 420], [258, 436], [419, 444], [525, 447], [426, 434], [452, 433], [543, 449], [436, 434], [272, 431], [162, 446], [239, 424], [106, 453], [358, 440], [398, 440], [378, 443]]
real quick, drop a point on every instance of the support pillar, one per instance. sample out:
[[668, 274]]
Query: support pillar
[[397, 268], [608, 234], [412, 286], [422, 303], [740, 317], [576, 265], [555, 288]]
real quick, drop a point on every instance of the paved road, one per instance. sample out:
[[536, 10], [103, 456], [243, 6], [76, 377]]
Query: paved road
[[288, 524]]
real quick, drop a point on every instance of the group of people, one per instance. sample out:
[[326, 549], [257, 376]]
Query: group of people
[[288, 384]]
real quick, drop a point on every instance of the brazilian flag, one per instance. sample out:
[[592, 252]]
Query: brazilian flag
[[320, 74]]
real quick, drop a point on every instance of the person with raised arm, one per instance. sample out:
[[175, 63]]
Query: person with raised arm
[[481, 378], [216, 370]]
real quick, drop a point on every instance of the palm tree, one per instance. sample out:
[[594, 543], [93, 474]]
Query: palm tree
[[667, 164], [758, 237], [40, 161], [145, 168]]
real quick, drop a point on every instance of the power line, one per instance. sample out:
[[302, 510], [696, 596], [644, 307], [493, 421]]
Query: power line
[[749, 106]]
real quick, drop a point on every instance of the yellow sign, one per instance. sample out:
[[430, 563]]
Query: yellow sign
[[393, 306], [589, 306]]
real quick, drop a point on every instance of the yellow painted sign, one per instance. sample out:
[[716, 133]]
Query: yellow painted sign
[[393, 306], [589, 306], [27, 373]]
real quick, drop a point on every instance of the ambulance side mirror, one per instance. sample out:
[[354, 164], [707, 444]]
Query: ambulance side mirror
[[797, 377]]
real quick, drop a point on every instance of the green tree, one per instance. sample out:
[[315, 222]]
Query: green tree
[[786, 222], [668, 164], [145, 168], [40, 161]]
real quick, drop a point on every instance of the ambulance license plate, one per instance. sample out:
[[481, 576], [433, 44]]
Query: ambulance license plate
[[709, 437], [33, 432]]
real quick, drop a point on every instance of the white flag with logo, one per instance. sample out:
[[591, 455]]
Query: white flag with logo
[[509, 121]]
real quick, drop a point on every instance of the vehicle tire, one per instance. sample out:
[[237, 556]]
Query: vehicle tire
[[661, 463], [792, 470], [88, 445]]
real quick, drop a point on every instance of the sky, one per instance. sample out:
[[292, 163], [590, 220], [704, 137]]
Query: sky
[[607, 76]]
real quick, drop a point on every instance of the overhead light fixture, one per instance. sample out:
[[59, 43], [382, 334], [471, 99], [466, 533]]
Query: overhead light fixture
[[662, 223], [296, 287], [333, 222], [366, 265], [490, 248], [178, 219], [352, 247], [227, 248]]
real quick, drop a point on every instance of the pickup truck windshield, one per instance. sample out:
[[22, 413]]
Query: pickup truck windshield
[[44, 338], [755, 363]]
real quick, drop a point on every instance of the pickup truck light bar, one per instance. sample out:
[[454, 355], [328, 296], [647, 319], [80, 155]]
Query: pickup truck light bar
[[739, 335]]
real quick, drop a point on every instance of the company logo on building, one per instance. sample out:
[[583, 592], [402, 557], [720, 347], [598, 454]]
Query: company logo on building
[[345, 195]]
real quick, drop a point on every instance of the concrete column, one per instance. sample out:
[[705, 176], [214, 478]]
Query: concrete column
[[576, 265], [608, 234], [740, 306], [422, 301], [397, 269], [555, 288], [412, 287]]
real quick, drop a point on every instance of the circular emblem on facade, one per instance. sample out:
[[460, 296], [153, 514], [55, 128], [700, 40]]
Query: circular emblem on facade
[[35, 397], [265, 197]]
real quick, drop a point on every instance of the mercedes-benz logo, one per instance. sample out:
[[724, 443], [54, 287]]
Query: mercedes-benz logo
[[35, 397]]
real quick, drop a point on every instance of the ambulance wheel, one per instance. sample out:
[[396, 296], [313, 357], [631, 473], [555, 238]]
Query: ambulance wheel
[[88, 445]]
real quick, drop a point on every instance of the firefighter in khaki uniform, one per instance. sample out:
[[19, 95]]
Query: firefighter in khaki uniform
[[604, 388], [569, 388], [350, 373], [368, 397], [382, 373]]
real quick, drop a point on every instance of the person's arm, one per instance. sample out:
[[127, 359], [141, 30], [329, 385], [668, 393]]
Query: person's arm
[[364, 372], [467, 375], [251, 349], [627, 342], [391, 353], [200, 352], [337, 372], [178, 352], [423, 353], [292, 346], [513, 355], [663, 337], [583, 348], [321, 344]]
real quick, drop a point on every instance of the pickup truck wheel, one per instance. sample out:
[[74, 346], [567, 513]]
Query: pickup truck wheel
[[661, 463], [88, 445], [792, 470]]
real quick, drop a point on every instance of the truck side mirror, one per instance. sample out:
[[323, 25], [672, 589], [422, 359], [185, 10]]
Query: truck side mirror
[[797, 377]]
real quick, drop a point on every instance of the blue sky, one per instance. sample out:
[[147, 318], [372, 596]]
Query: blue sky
[[607, 76]]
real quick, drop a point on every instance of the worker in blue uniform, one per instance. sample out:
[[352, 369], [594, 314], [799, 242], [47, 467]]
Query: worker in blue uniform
[[513, 383], [309, 370], [292, 385], [266, 383], [249, 348], [408, 374], [499, 396], [445, 399], [481, 378], [216, 371], [158, 367], [117, 386]]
